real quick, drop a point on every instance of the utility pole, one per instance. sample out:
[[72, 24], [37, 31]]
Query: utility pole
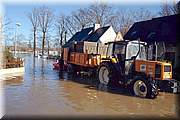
[[15, 39]]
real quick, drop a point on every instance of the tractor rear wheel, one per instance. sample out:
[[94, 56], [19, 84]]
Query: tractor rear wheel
[[106, 74], [144, 88]]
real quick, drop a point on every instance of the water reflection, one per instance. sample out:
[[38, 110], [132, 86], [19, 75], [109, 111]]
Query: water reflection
[[44, 93], [16, 80]]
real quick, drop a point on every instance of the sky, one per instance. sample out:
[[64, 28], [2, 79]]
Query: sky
[[17, 10]]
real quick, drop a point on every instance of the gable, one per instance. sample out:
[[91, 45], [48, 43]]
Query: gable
[[108, 36]]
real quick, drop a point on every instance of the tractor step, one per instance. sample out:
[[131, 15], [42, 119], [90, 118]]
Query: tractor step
[[171, 86]]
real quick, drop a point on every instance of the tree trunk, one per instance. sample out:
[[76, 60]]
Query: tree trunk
[[65, 37], [48, 48], [34, 50], [61, 40], [43, 42]]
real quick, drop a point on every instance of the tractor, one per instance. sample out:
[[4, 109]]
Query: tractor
[[126, 64]]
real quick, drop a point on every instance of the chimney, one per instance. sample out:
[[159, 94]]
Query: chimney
[[96, 26]]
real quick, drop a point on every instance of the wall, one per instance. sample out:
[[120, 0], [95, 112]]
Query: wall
[[53, 53], [177, 56], [109, 35]]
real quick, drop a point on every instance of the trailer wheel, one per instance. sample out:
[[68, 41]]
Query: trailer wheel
[[144, 88], [71, 68], [106, 74]]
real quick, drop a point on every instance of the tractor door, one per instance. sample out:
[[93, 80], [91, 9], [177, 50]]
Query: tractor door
[[119, 54], [131, 51]]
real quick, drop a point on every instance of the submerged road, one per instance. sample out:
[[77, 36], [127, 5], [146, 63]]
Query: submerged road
[[41, 92]]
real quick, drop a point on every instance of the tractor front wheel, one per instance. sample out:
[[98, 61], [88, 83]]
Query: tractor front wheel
[[144, 88]]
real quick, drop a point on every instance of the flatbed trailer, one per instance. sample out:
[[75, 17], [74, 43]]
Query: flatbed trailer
[[82, 59]]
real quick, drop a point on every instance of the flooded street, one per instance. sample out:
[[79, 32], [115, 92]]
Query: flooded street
[[42, 92]]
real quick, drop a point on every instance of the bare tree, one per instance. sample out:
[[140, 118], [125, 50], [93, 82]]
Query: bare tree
[[61, 23], [175, 8], [61, 26], [33, 17], [4, 22], [4, 26], [78, 20], [96, 13], [104, 14], [142, 14], [169, 9], [101, 13], [82, 18], [165, 9], [71, 25], [123, 21], [178, 7], [45, 18], [126, 18]]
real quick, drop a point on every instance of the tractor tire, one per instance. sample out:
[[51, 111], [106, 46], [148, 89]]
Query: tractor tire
[[107, 74], [144, 88], [71, 68]]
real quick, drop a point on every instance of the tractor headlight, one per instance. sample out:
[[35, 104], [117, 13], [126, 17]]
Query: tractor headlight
[[143, 68], [167, 68]]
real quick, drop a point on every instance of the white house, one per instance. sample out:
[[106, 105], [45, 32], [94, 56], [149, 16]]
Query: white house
[[93, 34]]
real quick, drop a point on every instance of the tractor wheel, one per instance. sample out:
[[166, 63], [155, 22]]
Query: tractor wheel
[[106, 74], [71, 69], [144, 88]]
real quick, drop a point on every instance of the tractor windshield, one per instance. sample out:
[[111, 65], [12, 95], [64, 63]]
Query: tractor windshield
[[119, 51], [132, 50]]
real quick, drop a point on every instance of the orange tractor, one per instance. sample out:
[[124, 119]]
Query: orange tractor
[[125, 64]]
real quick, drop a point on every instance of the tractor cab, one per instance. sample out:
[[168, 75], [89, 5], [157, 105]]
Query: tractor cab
[[121, 67], [124, 52], [131, 58]]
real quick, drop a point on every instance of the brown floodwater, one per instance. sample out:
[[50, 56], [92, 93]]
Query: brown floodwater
[[41, 92]]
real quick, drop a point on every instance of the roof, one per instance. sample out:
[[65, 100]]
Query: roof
[[87, 34], [94, 36], [158, 29]]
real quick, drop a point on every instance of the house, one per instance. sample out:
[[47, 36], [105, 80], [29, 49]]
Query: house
[[119, 36], [93, 34], [161, 34], [54, 51]]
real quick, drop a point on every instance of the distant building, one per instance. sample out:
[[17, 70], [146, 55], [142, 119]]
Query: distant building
[[54, 51], [163, 32]]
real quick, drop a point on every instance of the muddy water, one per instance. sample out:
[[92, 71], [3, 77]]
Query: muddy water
[[42, 92]]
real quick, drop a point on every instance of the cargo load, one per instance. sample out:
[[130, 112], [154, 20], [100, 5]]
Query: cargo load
[[89, 47]]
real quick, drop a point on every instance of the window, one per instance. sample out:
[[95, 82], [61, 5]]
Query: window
[[119, 49], [133, 49], [167, 68], [109, 49]]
